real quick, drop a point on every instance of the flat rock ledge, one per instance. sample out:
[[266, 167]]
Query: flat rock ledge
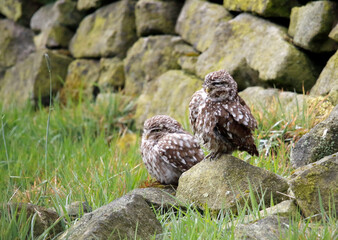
[[224, 183]]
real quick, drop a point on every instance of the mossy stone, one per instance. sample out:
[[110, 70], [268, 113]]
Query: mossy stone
[[266, 8], [311, 24], [19, 11], [225, 182], [313, 179], [82, 77], [16, 43], [150, 57], [54, 37], [334, 33], [29, 80], [59, 13], [169, 94], [328, 78], [107, 32], [262, 50], [156, 16], [198, 20], [321, 141], [111, 74]]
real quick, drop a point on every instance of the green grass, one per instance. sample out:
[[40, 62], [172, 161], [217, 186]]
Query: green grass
[[93, 155]]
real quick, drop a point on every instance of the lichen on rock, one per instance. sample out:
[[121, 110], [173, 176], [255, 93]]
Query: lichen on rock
[[226, 182], [266, 50], [169, 94], [315, 186]]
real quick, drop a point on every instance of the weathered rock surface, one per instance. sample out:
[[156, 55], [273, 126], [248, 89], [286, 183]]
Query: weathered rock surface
[[269, 8], [84, 5], [127, 217], [54, 37], [319, 177], [159, 198], [269, 228], [225, 182], [60, 13], [161, 97], [321, 141], [111, 74], [156, 16], [44, 218], [198, 20], [188, 63], [19, 11], [328, 79], [261, 47], [334, 33], [81, 78], [311, 24], [284, 209], [107, 32], [151, 56], [29, 79], [16, 43]]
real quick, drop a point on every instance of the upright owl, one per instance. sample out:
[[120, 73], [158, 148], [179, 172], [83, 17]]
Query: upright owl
[[167, 149], [220, 118]]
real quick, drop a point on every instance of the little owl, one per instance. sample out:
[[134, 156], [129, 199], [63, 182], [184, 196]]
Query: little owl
[[167, 149], [220, 118]]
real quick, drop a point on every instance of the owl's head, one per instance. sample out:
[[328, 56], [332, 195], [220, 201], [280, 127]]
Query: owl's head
[[159, 125], [220, 85]]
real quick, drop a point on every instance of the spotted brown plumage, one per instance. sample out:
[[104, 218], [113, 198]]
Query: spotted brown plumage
[[167, 149], [219, 117]]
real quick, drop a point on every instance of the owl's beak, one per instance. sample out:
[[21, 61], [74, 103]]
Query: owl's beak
[[207, 90], [146, 135]]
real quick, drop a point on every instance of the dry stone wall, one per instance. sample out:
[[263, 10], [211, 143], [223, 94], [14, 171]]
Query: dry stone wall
[[134, 46]]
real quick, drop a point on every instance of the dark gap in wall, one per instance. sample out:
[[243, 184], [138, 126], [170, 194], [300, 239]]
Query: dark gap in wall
[[216, 1]]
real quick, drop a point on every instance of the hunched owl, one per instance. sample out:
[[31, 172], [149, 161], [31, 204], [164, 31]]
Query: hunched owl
[[220, 118], [167, 149]]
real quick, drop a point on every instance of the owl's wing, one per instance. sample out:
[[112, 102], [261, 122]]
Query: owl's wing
[[196, 100], [180, 150], [242, 114], [236, 127]]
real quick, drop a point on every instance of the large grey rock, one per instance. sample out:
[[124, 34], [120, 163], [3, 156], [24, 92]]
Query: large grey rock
[[43, 218], [29, 79], [128, 217], [107, 32], [16, 43], [311, 24], [159, 198], [266, 8], [19, 11], [260, 48], [169, 94], [111, 75], [156, 16], [82, 76], [328, 79], [198, 20], [150, 57], [225, 182], [321, 141], [60, 13], [319, 177], [269, 228]]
